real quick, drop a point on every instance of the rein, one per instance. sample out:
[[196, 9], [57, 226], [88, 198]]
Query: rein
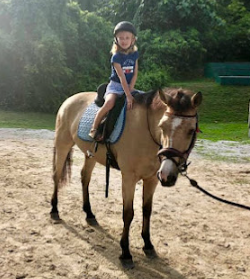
[[195, 184], [152, 137], [171, 153]]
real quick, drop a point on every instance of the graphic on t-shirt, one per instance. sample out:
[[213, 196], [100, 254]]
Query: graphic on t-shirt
[[127, 69]]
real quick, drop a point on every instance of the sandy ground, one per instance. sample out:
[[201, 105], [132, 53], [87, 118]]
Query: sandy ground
[[194, 236]]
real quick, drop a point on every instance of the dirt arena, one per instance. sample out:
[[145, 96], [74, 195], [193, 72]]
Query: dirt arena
[[195, 237]]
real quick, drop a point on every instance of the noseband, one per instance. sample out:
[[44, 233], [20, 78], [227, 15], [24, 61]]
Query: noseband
[[169, 153]]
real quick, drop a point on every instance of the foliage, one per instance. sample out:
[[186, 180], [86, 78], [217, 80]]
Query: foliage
[[230, 40], [54, 49], [174, 50], [51, 49], [153, 79], [117, 10], [177, 14], [161, 15]]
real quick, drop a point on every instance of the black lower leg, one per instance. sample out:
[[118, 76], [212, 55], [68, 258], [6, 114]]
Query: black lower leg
[[86, 203], [54, 203], [147, 209], [127, 219], [54, 211], [88, 211], [125, 249]]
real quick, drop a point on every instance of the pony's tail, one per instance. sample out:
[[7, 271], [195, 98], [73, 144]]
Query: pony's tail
[[66, 171]]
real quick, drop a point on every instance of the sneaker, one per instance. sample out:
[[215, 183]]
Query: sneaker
[[90, 154], [92, 133]]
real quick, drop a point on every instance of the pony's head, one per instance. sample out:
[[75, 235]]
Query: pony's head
[[178, 125]]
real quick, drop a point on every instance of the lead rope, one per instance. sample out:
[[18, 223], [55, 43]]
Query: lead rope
[[195, 184]]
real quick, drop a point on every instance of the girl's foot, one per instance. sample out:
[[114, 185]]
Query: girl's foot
[[92, 133]]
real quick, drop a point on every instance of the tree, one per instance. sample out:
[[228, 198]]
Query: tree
[[175, 51], [230, 40], [88, 5], [163, 15], [50, 49], [117, 10]]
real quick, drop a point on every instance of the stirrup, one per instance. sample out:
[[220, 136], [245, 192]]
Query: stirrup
[[92, 133]]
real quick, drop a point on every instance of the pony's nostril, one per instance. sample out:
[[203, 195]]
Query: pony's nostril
[[172, 179], [169, 181]]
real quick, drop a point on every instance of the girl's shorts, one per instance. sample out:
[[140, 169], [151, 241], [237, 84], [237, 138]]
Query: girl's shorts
[[114, 88]]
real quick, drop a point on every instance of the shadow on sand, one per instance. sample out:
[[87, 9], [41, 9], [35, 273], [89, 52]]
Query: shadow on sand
[[145, 267]]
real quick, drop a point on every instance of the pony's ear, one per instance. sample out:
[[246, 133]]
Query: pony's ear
[[166, 99], [196, 99]]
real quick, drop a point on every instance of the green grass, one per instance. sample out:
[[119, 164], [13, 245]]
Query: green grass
[[224, 131], [31, 120], [223, 114], [221, 103]]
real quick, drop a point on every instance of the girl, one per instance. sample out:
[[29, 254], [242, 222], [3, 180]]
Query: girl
[[124, 70]]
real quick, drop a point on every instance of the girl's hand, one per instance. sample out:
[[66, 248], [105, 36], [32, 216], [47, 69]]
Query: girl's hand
[[125, 85], [130, 101]]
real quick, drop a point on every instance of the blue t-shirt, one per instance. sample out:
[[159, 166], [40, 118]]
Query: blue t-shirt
[[127, 62]]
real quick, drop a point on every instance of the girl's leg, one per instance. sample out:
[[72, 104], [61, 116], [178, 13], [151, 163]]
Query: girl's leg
[[108, 105]]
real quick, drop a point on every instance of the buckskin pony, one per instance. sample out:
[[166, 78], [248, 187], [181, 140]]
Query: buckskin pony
[[157, 139]]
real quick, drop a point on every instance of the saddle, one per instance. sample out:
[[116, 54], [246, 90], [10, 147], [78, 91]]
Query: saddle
[[106, 127], [108, 123], [99, 100]]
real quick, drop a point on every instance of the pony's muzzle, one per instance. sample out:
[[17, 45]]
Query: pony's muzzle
[[168, 173], [169, 182]]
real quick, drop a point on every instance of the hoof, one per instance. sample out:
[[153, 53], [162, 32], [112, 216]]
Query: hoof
[[90, 216], [127, 263], [92, 221], [150, 253], [55, 216]]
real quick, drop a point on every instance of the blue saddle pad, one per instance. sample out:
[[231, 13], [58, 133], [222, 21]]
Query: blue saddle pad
[[87, 120]]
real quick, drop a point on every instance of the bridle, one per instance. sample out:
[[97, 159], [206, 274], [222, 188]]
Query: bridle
[[169, 153]]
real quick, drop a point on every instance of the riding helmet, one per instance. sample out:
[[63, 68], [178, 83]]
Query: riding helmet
[[125, 26]]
